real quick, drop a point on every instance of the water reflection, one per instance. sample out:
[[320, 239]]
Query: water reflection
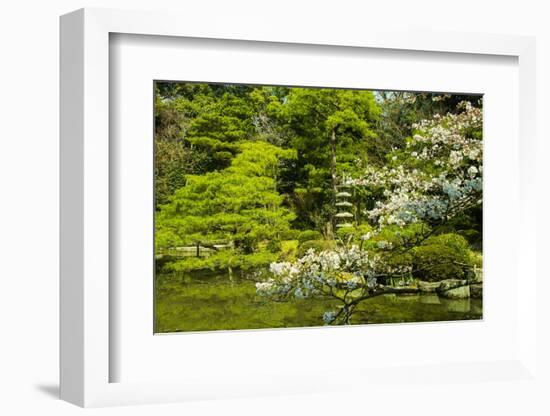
[[214, 304]]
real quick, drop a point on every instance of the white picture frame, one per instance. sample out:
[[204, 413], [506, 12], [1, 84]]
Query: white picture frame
[[85, 217]]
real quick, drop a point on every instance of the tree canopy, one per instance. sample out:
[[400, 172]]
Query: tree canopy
[[237, 206]]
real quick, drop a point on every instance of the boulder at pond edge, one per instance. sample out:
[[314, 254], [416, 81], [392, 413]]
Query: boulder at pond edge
[[476, 291]]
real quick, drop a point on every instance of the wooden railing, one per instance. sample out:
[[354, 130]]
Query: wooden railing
[[197, 250]]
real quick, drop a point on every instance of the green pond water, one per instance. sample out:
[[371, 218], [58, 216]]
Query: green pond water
[[214, 303]]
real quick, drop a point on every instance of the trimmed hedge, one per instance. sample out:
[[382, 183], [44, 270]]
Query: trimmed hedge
[[445, 256], [317, 245], [308, 235]]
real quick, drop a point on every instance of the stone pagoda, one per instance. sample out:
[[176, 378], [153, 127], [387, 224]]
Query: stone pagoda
[[343, 216]]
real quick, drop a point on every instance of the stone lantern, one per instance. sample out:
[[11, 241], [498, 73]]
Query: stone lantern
[[343, 216]]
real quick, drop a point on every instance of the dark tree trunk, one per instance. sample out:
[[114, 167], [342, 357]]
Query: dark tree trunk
[[333, 161]]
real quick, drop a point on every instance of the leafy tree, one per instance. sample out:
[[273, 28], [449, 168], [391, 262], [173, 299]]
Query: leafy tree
[[445, 256], [438, 175], [436, 178], [330, 129], [239, 207], [213, 119], [174, 156], [266, 102], [197, 130], [401, 110]]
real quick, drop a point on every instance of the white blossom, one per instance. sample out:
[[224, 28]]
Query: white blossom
[[412, 195]]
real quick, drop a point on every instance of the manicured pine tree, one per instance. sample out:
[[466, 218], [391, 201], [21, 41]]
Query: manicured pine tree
[[238, 206]]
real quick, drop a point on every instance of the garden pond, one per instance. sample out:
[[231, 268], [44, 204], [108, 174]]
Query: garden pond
[[213, 302]]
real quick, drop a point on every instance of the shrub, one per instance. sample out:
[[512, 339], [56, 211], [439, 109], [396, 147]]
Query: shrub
[[274, 246], [289, 250], [476, 258], [363, 229], [317, 245], [290, 234], [445, 256], [395, 261], [393, 236], [308, 235], [346, 232], [353, 234]]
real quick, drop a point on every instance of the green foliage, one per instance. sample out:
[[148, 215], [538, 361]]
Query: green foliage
[[206, 121], [394, 238], [308, 235], [289, 250], [401, 110], [254, 167], [226, 259], [316, 245], [362, 230], [445, 256], [476, 258], [238, 206], [249, 174], [174, 156], [354, 235], [290, 234], [346, 233], [468, 224], [172, 163], [274, 246], [330, 129], [199, 128]]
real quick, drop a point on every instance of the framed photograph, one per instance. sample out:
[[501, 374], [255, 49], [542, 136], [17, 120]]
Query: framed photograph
[[279, 206], [247, 215]]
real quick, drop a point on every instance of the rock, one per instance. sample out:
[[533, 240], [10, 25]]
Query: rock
[[449, 284], [428, 287], [478, 272], [476, 291], [462, 292]]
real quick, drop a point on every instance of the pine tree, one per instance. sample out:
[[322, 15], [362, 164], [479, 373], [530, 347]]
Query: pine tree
[[238, 206]]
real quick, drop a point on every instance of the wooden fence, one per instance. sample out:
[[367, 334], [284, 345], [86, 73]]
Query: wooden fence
[[197, 250]]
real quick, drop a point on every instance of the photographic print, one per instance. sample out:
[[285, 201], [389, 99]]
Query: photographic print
[[283, 206]]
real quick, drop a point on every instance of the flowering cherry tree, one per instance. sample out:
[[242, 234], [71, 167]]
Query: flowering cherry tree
[[346, 274], [435, 177]]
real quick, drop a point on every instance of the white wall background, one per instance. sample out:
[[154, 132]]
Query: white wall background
[[29, 206]]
